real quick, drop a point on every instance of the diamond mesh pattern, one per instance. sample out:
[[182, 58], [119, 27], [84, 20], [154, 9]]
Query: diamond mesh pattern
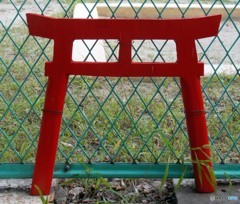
[[117, 119]]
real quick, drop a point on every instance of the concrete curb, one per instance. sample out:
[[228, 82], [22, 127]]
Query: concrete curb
[[101, 10], [224, 194], [171, 11], [16, 191], [81, 49]]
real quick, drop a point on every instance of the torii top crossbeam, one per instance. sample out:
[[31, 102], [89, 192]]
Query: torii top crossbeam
[[183, 31]]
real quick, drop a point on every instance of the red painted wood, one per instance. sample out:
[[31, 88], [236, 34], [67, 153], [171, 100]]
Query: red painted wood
[[64, 31]]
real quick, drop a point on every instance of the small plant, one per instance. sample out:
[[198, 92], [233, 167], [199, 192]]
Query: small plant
[[208, 171], [43, 200], [182, 176]]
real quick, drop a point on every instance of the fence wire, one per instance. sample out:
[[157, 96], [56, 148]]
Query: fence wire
[[118, 119]]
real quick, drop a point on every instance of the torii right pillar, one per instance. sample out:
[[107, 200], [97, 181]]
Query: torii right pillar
[[195, 117]]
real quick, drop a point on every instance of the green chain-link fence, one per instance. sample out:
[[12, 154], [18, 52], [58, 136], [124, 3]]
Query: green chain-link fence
[[118, 123]]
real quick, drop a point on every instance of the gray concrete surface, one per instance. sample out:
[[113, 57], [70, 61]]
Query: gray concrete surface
[[16, 191], [187, 194]]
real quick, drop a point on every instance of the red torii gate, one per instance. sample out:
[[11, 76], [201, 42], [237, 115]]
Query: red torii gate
[[64, 31]]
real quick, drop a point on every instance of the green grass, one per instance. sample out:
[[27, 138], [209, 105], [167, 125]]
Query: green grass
[[108, 119]]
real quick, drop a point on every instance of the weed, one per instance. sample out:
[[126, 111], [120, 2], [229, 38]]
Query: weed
[[43, 200]]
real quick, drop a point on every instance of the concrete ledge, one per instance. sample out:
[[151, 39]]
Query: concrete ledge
[[81, 48], [224, 194], [171, 11], [227, 69], [16, 191], [101, 10]]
